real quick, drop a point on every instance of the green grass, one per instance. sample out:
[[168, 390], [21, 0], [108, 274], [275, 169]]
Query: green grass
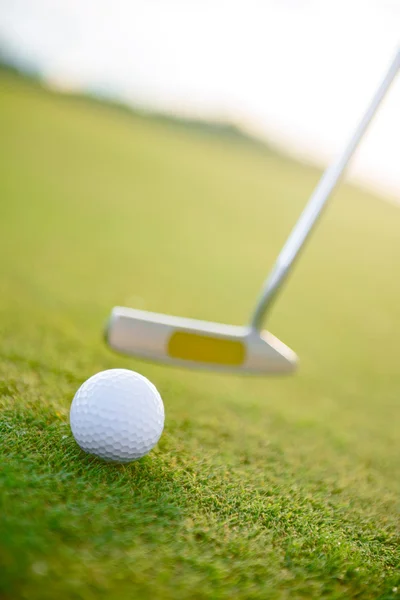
[[260, 487]]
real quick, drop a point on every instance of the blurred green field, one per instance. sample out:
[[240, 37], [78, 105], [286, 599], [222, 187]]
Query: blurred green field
[[260, 487]]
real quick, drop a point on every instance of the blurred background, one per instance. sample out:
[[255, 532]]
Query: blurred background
[[297, 73]]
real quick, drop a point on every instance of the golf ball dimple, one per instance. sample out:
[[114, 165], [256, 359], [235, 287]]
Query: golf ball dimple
[[118, 415]]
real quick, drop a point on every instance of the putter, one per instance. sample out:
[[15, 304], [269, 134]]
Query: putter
[[248, 349]]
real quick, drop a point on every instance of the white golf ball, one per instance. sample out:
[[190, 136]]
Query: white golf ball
[[117, 415]]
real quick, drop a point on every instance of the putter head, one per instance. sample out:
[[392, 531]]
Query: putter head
[[197, 344]]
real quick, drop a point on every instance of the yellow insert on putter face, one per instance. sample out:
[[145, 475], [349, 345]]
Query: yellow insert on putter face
[[187, 345]]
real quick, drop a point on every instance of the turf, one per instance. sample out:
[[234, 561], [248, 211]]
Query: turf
[[260, 487]]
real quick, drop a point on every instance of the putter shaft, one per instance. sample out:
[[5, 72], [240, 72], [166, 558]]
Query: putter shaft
[[316, 204]]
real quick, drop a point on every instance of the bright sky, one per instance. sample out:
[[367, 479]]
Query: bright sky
[[298, 72]]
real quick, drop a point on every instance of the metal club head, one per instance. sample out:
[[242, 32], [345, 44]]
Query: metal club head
[[197, 344]]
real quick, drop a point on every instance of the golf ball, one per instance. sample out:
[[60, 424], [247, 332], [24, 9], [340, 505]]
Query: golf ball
[[117, 415]]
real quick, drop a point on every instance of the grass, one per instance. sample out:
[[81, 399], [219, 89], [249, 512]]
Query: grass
[[260, 487]]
